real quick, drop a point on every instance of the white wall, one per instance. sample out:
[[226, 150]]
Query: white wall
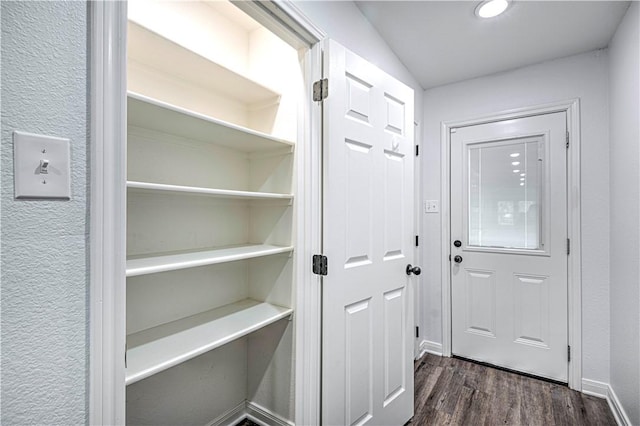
[[625, 212], [582, 76], [44, 243]]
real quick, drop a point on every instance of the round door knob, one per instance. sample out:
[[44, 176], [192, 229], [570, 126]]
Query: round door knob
[[415, 270], [457, 259], [457, 243]]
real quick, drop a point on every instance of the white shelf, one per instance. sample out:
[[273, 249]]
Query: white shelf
[[223, 193], [159, 348], [160, 53], [166, 118], [170, 262]]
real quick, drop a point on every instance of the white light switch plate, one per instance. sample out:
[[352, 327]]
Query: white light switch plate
[[41, 166], [431, 206]]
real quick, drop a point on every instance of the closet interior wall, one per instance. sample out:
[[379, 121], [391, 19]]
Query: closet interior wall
[[213, 101]]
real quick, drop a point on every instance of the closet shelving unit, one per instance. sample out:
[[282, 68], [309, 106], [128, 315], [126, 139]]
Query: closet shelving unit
[[205, 189], [172, 262], [166, 118], [162, 117], [162, 347], [214, 192]]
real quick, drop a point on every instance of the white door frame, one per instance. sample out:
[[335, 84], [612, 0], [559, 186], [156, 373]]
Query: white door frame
[[107, 333], [574, 283], [107, 291]]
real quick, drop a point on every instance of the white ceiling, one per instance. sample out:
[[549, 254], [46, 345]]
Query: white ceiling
[[442, 42]]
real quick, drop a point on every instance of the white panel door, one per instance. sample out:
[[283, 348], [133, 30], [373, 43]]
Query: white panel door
[[509, 244], [368, 228]]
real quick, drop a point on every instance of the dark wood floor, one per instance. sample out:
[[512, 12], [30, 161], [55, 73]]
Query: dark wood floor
[[452, 391]]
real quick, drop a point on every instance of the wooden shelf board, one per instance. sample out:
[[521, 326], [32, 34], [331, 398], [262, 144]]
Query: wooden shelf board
[[159, 348], [160, 116], [158, 52], [223, 193], [171, 262]]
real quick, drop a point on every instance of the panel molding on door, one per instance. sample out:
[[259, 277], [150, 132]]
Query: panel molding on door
[[395, 334], [531, 288], [358, 355], [480, 310]]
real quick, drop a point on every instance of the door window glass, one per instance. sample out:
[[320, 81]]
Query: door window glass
[[505, 194]]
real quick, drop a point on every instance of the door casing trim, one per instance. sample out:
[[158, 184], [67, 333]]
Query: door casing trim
[[106, 387], [574, 265]]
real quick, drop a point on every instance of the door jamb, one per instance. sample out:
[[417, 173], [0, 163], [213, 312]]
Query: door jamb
[[574, 262], [107, 333]]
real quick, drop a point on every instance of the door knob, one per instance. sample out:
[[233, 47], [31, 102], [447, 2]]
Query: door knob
[[457, 243], [457, 259], [415, 270]]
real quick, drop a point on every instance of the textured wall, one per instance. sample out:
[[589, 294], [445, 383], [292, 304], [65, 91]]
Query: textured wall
[[625, 213], [44, 243], [582, 76]]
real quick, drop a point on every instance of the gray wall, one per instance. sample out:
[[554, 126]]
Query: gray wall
[[625, 213], [582, 76], [44, 243]]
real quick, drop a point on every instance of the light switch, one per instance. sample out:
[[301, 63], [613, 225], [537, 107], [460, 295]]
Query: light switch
[[41, 166], [431, 206]]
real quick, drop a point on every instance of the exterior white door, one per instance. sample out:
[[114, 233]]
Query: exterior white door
[[368, 228], [509, 244]]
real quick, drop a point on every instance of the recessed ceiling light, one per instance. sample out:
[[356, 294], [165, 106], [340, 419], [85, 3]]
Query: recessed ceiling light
[[522, 174], [521, 178], [516, 171], [491, 8], [515, 163], [521, 183], [514, 155]]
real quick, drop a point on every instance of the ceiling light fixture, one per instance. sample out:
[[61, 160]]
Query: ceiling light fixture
[[515, 163], [516, 171], [514, 155], [491, 8]]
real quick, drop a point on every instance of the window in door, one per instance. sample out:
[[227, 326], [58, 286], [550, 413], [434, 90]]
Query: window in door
[[506, 190]]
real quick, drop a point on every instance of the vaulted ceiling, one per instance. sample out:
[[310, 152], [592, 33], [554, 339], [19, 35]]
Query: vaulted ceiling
[[442, 42]]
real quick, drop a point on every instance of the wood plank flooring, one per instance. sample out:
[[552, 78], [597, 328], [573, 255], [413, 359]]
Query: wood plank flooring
[[452, 391]]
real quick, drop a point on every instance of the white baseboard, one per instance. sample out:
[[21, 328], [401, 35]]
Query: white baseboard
[[605, 391], [618, 412], [232, 416], [595, 388], [265, 417], [253, 411], [430, 347]]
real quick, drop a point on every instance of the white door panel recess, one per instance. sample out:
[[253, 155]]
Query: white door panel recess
[[509, 244], [367, 374]]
